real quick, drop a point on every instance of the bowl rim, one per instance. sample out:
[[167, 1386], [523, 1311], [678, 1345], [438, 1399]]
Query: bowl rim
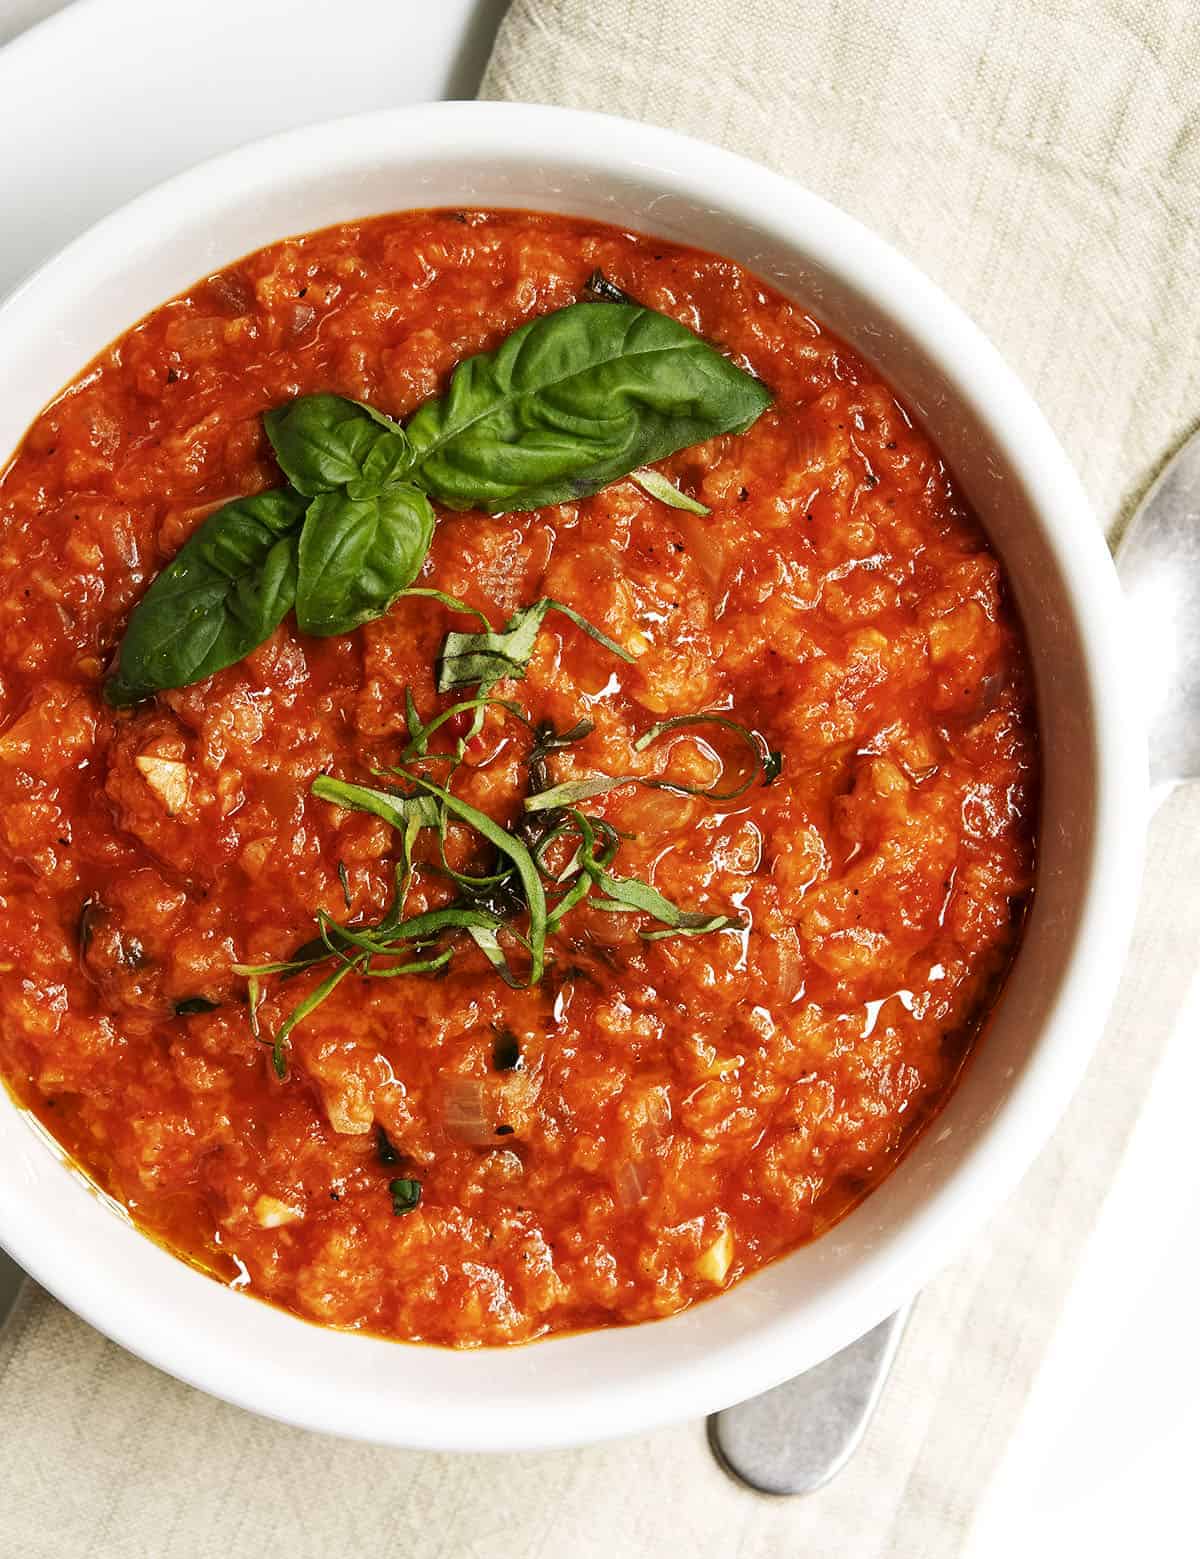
[[747, 191]]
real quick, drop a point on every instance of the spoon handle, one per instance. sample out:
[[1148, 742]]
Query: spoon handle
[[794, 1439]]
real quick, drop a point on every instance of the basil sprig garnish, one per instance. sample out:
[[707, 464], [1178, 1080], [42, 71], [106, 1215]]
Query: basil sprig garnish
[[571, 401]]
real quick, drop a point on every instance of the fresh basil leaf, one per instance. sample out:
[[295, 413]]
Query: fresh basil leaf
[[386, 465], [325, 442], [405, 1195], [656, 484], [574, 400], [470, 658], [228, 588], [357, 555]]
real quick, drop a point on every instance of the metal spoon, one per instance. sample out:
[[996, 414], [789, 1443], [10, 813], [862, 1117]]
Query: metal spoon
[[794, 1439]]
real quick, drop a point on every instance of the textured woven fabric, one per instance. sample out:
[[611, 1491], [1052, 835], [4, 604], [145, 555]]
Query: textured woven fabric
[[1040, 159]]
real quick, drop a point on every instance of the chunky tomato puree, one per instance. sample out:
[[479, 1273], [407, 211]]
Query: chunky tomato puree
[[655, 1119]]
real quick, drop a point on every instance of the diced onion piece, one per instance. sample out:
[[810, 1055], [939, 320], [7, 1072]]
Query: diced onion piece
[[808, 450], [271, 1213], [475, 1109], [783, 965], [714, 1262], [350, 1112], [704, 545], [649, 1120], [168, 779], [467, 1111], [631, 1183]]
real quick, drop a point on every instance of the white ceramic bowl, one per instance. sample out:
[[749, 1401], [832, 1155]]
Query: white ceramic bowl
[[803, 1308]]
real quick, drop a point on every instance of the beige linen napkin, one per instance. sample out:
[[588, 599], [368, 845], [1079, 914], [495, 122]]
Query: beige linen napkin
[[1040, 159]]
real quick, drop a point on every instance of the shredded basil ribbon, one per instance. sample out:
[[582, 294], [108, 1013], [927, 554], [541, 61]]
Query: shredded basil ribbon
[[379, 951], [767, 765]]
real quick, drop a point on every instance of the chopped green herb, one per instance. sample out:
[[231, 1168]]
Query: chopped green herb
[[391, 805], [344, 879], [483, 659], [386, 1153], [506, 1052], [405, 1195], [598, 289], [766, 765], [657, 485], [518, 854], [194, 1004]]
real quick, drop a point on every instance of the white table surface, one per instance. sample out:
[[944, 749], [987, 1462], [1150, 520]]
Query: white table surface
[[1104, 1459]]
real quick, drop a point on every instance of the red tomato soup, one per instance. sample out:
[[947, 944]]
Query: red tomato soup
[[656, 1117]]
